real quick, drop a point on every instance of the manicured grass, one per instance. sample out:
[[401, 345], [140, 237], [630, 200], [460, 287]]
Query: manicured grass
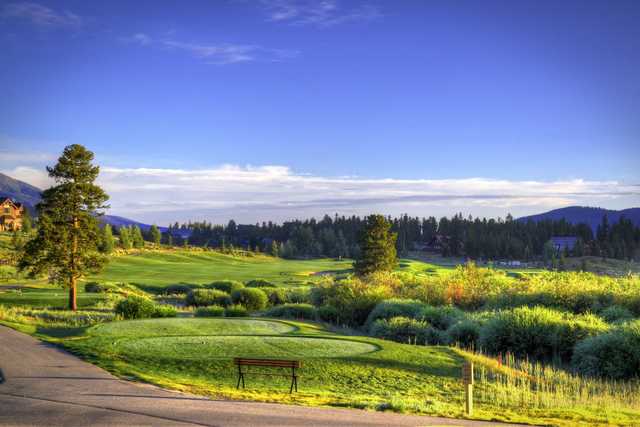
[[195, 355], [162, 268], [44, 296]]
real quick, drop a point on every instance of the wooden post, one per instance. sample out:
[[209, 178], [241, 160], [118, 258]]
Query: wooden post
[[467, 380]]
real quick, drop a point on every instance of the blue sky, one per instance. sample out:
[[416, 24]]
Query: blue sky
[[281, 108]]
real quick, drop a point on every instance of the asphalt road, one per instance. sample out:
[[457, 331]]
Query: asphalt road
[[46, 386]]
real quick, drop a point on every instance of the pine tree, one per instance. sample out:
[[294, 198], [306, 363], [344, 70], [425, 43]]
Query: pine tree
[[274, 251], [27, 224], [136, 237], [125, 238], [106, 240], [377, 247], [155, 235], [65, 245]]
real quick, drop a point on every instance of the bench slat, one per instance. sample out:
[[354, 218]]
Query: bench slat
[[267, 362]]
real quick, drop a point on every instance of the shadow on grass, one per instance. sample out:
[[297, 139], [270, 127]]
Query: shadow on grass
[[60, 332]]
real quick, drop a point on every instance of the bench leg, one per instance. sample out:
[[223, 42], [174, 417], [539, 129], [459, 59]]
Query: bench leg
[[293, 380], [240, 378]]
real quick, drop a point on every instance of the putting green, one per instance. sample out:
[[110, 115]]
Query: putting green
[[223, 347], [191, 327]]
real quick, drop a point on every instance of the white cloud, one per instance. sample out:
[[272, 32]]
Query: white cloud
[[137, 38], [41, 16], [324, 13], [276, 193], [213, 53], [24, 157], [34, 176]]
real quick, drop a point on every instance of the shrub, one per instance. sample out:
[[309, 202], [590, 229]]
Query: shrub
[[441, 317], [163, 310], [227, 286], [260, 283], [399, 329], [276, 296], [432, 336], [329, 314], [465, 333], [206, 297], [135, 307], [210, 311], [353, 298], [176, 290], [235, 311], [615, 314], [293, 311], [299, 295], [251, 298], [394, 308], [100, 288], [537, 333], [615, 354]]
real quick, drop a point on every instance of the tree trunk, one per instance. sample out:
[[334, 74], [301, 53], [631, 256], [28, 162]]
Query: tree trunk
[[73, 291], [73, 285]]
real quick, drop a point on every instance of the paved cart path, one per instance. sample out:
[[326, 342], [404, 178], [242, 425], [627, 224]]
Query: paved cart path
[[44, 385]]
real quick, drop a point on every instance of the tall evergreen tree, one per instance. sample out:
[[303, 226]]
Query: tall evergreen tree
[[125, 237], [377, 247], [65, 245], [155, 235], [106, 240], [136, 237]]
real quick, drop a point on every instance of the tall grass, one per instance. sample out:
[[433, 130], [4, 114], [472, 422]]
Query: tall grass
[[508, 382], [53, 318]]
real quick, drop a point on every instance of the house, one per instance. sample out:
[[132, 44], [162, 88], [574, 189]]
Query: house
[[563, 243], [11, 215]]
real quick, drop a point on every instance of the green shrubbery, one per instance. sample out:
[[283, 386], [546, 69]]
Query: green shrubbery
[[251, 298], [615, 354], [100, 288], [206, 297], [615, 314], [227, 286], [210, 311], [441, 317], [235, 311], [395, 308], [136, 307], [464, 333], [177, 289], [329, 314], [407, 330], [260, 283], [293, 311], [537, 333]]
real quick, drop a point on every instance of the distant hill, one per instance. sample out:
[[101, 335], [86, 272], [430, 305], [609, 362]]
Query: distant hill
[[19, 191], [30, 196], [118, 221], [586, 215]]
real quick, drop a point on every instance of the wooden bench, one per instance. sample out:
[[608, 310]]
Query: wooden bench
[[268, 363]]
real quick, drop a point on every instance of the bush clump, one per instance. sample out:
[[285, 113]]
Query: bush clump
[[329, 314], [210, 311], [614, 355], [441, 317], [537, 333], [235, 311], [177, 289], [400, 329], [616, 313], [251, 298], [464, 333], [227, 286], [293, 311], [136, 307], [395, 308], [298, 295], [100, 288], [206, 297], [260, 283], [276, 296]]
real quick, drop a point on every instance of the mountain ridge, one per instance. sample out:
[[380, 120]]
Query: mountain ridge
[[591, 216]]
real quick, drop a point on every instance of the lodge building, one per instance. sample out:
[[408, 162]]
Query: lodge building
[[11, 214]]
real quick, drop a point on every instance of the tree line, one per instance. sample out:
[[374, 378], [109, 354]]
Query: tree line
[[339, 236]]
